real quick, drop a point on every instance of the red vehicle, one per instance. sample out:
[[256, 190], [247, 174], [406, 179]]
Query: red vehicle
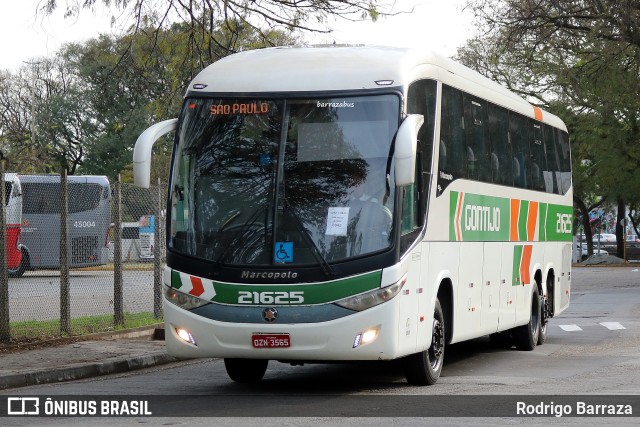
[[13, 203]]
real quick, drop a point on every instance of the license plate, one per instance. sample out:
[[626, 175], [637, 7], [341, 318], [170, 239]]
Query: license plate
[[270, 340]]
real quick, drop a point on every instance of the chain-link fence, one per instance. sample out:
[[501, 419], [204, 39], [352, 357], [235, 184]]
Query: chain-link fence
[[111, 275]]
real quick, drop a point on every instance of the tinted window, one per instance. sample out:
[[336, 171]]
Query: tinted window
[[46, 198], [488, 143], [519, 136], [536, 162], [565, 161], [7, 192], [477, 150], [501, 157], [551, 174], [452, 147]]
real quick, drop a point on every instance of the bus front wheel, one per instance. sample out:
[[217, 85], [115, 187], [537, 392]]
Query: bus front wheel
[[23, 266], [246, 370], [424, 368]]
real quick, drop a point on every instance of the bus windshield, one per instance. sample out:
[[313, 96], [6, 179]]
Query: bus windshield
[[296, 181]]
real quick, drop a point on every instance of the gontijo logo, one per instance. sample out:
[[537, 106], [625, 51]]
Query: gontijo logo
[[474, 217]]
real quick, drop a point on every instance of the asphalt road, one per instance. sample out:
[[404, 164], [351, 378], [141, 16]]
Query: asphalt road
[[36, 295], [592, 348]]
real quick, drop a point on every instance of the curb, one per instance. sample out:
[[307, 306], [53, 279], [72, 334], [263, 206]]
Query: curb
[[84, 371]]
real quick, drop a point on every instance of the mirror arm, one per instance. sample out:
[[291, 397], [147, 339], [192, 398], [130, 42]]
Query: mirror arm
[[142, 151]]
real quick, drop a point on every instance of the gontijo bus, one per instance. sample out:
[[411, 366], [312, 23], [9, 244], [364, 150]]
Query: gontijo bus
[[359, 203]]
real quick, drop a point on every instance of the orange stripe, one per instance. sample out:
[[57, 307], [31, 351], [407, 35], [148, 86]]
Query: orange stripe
[[515, 210], [525, 264], [531, 220], [198, 289], [537, 113]]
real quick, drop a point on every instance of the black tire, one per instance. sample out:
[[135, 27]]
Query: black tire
[[544, 320], [525, 337], [246, 370], [24, 264], [424, 368]]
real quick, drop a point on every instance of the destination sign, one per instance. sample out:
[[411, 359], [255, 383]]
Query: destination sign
[[240, 108]]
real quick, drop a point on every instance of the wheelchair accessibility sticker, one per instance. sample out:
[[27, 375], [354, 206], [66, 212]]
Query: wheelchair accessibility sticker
[[283, 252]]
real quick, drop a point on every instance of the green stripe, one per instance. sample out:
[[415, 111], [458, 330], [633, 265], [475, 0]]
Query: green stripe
[[453, 201], [542, 218], [316, 293], [517, 259], [522, 220], [176, 283], [559, 223]]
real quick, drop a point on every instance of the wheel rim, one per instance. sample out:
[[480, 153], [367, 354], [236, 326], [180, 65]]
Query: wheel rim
[[436, 350], [535, 315], [545, 314]]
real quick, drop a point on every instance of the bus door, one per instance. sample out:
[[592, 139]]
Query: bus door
[[491, 279]]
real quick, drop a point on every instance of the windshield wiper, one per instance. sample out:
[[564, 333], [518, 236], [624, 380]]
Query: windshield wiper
[[324, 265]]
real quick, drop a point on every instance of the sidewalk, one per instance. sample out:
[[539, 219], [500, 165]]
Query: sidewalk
[[98, 355]]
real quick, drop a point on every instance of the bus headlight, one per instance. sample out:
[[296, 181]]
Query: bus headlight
[[372, 298], [182, 300]]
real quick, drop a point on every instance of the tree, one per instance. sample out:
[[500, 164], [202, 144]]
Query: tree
[[204, 19], [84, 108], [582, 56]]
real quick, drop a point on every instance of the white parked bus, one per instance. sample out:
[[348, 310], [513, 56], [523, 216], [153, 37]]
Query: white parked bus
[[89, 220], [13, 204], [359, 203]]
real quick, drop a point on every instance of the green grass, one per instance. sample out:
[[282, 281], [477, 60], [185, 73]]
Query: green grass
[[42, 329], [126, 266]]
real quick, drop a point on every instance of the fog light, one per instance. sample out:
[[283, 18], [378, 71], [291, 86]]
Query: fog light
[[366, 337], [186, 336], [369, 336]]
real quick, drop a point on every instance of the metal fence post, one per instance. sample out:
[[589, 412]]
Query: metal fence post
[[5, 332], [65, 306], [118, 306], [157, 255]]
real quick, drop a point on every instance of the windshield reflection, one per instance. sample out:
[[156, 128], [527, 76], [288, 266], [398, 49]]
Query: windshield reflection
[[239, 199]]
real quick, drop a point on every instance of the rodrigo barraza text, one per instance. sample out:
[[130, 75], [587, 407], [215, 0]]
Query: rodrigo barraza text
[[579, 408]]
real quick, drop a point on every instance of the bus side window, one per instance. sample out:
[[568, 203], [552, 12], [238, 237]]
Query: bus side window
[[550, 175], [477, 153], [452, 136], [519, 136], [536, 162], [422, 100], [501, 156], [410, 225], [564, 156]]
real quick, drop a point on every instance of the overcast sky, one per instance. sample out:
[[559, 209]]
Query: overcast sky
[[26, 34]]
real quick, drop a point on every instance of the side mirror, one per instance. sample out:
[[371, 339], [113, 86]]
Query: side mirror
[[405, 150], [142, 151]]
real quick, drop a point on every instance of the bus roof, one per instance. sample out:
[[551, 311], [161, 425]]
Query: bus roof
[[82, 179], [10, 176], [343, 68]]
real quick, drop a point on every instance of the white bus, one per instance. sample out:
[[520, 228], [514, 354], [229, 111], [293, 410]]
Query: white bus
[[359, 203], [89, 220]]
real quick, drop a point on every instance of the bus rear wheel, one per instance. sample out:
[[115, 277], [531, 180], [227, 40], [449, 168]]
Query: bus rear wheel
[[544, 320], [246, 370], [424, 368], [526, 336]]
